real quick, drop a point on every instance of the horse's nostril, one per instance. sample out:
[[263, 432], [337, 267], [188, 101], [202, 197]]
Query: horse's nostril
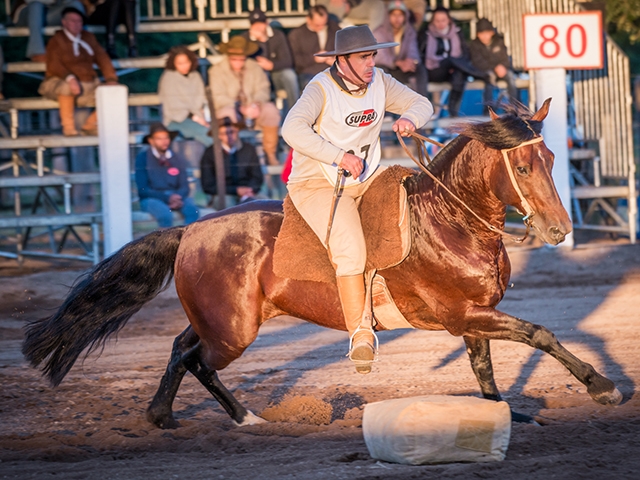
[[556, 234]]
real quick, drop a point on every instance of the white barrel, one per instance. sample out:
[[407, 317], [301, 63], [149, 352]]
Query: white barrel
[[437, 429]]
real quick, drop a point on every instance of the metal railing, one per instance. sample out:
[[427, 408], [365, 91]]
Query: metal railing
[[601, 98]]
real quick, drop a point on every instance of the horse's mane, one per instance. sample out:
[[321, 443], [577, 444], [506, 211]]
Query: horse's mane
[[508, 131]]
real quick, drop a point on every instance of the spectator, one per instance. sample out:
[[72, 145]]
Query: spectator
[[317, 35], [161, 178], [242, 169], [111, 13], [69, 76], [337, 9], [366, 12], [446, 56], [417, 9], [182, 96], [489, 54], [36, 14], [274, 55], [402, 62], [241, 90]]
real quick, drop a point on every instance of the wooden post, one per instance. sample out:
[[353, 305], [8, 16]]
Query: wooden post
[[221, 183]]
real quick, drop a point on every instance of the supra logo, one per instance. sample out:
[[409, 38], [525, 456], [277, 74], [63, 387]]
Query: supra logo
[[361, 119]]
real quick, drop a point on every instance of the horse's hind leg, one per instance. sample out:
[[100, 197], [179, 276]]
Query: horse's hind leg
[[480, 356], [492, 324], [196, 364], [160, 411]]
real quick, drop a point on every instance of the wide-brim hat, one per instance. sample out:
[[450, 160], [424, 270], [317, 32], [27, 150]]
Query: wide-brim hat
[[158, 127], [238, 45], [355, 40]]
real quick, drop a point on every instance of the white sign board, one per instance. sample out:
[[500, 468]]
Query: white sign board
[[563, 40]]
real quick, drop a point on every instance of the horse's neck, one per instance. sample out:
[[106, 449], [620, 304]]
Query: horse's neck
[[466, 175]]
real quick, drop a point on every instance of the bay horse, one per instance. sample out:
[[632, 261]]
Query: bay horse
[[453, 278]]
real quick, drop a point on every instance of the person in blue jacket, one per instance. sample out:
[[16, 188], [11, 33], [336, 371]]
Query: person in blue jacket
[[161, 178]]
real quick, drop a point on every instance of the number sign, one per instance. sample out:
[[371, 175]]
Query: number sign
[[563, 40]]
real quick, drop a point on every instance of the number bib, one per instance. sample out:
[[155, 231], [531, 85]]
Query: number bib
[[353, 123]]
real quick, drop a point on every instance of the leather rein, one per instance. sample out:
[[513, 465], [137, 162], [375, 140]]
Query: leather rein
[[424, 159]]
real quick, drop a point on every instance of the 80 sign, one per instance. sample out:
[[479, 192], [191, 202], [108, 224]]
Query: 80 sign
[[572, 40]]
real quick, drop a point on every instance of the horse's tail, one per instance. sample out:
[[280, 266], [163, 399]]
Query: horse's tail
[[101, 302]]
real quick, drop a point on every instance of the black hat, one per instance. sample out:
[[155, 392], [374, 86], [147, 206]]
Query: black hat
[[484, 25], [158, 127], [73, 10], [257, 15]]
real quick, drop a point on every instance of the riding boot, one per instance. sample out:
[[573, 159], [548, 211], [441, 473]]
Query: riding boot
[[455, 100], [352, 298], [90, 126], [133, 48], [270, 140], [67, 109]]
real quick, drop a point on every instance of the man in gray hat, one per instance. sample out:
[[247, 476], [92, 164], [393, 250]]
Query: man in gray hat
[[335, 127]]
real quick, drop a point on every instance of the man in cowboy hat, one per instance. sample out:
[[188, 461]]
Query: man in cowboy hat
[[336, 125], [161, 178], [241, 88]]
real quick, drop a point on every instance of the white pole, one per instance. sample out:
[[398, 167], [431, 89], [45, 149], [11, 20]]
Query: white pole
[[552, 82], [113, 132]]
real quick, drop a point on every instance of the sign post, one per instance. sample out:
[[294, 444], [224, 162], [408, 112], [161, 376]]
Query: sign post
[[113, 132], [553, 43]]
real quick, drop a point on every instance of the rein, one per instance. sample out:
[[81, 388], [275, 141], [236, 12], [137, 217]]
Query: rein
[[424, 159]]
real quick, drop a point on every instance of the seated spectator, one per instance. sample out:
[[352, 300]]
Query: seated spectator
[[274, 55], [69, 76], [337, 9], [446, 56], [242, 169], [366, 12], [161, 178], [489, 54], [181, 92], [111, 13], [317, 35], [402, 62], [241, 90], [37, 14]]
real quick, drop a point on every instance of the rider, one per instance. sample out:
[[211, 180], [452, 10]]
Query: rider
[[336, 125]]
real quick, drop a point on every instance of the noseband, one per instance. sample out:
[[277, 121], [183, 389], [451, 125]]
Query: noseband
[[424, 159]]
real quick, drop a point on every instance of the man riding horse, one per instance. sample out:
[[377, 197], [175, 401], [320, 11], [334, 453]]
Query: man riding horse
[[334, 129]]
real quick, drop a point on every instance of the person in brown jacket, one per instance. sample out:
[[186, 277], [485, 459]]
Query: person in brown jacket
[[70, 77]]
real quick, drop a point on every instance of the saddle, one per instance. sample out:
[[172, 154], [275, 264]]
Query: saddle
[[300, 255]]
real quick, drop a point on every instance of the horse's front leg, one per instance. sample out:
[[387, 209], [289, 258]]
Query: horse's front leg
[[480, 356], [488, 323]]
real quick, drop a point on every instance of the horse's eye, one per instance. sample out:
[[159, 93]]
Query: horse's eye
[[522, 170]]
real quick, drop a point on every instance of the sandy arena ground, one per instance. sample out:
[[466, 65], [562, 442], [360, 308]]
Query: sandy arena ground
[[93, 425]]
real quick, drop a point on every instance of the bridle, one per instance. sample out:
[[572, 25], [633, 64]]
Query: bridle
[[424, 159]]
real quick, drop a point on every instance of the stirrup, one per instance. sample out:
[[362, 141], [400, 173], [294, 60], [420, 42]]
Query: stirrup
[[376, 345]]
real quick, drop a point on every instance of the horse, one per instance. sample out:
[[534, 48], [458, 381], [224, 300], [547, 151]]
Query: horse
[[454, 277]]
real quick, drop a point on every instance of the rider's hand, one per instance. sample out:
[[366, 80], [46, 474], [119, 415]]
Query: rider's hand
[[403, 126], [351, 164]]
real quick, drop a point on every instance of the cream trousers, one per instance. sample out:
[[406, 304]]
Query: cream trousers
[[347, 248]]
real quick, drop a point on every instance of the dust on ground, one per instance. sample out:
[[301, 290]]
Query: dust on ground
[[297, 376]]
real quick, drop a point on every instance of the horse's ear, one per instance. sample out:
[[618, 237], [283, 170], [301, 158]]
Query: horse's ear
[[541, 114], [492, 114]]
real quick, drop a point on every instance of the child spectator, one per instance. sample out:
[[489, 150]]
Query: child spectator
[[489, 54], [181, 91]]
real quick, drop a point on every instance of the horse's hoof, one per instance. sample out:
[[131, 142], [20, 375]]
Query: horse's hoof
[[611, 398], [250, 419], [165, 422]]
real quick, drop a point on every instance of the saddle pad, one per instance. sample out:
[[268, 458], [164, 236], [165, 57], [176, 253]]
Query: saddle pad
[[299, 253]]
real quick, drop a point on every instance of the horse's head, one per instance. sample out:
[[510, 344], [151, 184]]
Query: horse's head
[[522, 178]]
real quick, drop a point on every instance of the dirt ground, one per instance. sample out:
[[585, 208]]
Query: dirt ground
[[295, 374]]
